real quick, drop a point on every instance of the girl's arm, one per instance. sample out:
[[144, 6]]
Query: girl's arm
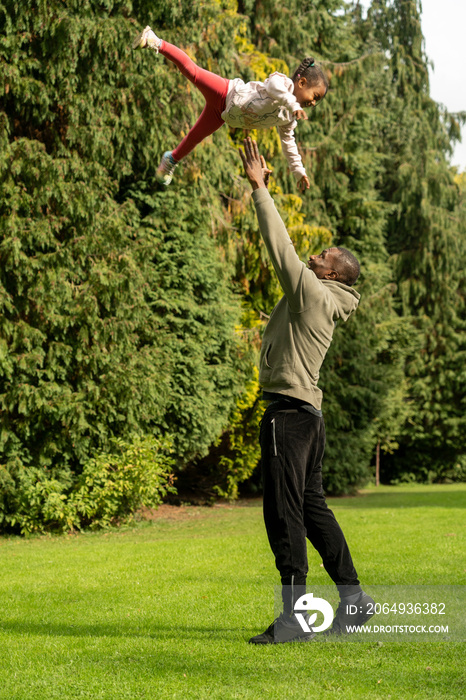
[[278, 87], [291, 152]]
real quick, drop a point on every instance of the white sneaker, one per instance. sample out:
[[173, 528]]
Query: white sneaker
[[147, 40], [165, 171]]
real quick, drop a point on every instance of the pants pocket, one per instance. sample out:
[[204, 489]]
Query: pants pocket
[[274, 438]]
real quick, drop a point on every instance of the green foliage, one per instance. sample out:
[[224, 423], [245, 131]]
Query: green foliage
[[235, 455], [36, 500], [111, 487], [424, 234], [118, 314], [126, 308], [190, 290], [78, 357]]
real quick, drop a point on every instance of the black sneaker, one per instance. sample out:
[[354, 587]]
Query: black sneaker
[[283, 629], [348, 617]]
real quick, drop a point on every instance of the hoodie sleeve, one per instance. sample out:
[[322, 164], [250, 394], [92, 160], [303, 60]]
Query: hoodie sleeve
[[280, 88], [290, 150], [300, 285]]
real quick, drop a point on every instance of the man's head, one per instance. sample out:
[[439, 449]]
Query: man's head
[[336, 264]]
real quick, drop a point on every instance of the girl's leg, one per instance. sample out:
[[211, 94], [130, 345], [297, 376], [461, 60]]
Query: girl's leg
[[213, 86], [207, 123], [214, 89]]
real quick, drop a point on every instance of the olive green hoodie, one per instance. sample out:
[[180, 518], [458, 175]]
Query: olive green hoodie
[[301, 326]]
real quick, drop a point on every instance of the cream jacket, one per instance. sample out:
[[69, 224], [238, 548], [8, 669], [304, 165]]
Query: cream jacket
[[259, 105]]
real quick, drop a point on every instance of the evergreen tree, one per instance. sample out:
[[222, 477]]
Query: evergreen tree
[[118, 316], [127, 308], [344, 162], [426, 238]]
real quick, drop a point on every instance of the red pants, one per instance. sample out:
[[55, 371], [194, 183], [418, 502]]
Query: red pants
[[213, 87]]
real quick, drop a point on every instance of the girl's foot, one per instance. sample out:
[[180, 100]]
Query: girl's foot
[[147, 39], [165, 171]]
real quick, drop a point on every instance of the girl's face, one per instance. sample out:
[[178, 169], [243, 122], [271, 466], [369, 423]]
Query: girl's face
[[306, 95]]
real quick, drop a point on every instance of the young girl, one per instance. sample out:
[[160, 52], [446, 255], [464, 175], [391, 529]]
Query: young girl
[[278, 101]]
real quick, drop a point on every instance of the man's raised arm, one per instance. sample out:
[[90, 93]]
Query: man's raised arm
[[295, 279]]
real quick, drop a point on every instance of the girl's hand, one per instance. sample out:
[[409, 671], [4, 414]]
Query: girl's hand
[[304, 183], [300, 114]]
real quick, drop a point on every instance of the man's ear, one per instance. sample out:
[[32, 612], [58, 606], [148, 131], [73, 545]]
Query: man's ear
[[332, 275]]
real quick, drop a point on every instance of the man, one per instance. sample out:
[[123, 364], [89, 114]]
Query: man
[[292, 437]]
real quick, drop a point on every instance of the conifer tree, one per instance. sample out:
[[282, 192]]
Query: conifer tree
[[127, 308], [425, 235], [118, 316], [344, 164]]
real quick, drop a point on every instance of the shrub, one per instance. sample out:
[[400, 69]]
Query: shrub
[[36, 501], [112, 486]]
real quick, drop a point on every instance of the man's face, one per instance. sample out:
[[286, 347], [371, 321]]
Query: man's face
[[323, 265]]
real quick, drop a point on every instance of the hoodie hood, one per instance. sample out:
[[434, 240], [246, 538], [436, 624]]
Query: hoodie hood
[[346, 298]]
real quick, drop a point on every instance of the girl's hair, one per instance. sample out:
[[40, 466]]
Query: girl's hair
[[310, 70]]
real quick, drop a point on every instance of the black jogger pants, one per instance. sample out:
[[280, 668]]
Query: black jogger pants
[[292, 446]]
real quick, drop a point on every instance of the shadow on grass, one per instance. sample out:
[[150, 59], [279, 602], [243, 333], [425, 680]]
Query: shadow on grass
[[157, 631]]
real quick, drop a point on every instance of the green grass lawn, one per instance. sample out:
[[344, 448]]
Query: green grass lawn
[[164, 609]]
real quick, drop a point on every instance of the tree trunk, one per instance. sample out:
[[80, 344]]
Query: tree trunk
[[377, 464]]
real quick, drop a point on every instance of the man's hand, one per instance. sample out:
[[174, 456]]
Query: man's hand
[[254, 165], [265, 171]]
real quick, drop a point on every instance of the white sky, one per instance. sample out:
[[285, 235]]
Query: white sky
[[444, 26]]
